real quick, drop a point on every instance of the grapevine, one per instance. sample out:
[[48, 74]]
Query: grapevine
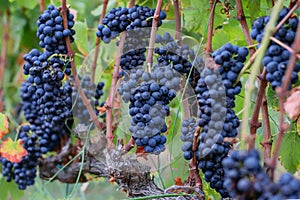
[[162, 108]]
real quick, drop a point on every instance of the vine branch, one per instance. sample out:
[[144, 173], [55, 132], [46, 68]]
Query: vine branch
[[85, 100], [254, 123], [115, 77], [178, 21], [242, 19], [153, 33], [212, 6], [94, 64], [267, 144]]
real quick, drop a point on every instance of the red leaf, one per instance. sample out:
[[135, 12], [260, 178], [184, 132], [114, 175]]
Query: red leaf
[[4, 125], [178, 181], [13, 151]]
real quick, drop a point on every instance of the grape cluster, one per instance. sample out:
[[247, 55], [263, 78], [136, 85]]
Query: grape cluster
[[47, 103], [24, 172], [51, 32], [93, 93], [180, 58], [166, 76], [148, 108], [212, 110], [134, 50], [216, 90], [246, 179], [46, 97], [125, 19], [187, 135], [276, 58]]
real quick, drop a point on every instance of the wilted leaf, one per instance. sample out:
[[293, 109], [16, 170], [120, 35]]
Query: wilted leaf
[[178, 181], [4, 125], [292, 105], [13, 151]]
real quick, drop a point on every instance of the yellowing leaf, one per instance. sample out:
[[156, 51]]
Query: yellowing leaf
[[4, 125], [13, 151], [292, 105]]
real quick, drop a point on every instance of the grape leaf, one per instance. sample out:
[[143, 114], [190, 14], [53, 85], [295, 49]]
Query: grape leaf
[[4, 125], [27, 3], [290, 151], [97, 11], [9, 190], [13, 151], [81, 37]]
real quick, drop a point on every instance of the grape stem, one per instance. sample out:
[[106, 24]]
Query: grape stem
[[3, 58], [194, 178], [115, 77], [97, 45], [242, 19], [85, 100], [178, 21], [282, 93], [153, 34], [42, 6]]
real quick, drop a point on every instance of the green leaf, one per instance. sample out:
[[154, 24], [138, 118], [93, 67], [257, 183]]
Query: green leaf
[[81, 37], [97, 11], [220, 38], [17, 25], [254, 7], [290, 151], [4, 5], [272, 98], [27, 3], [9, 189]]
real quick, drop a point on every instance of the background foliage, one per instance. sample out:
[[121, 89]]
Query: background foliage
[[195, 15]]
